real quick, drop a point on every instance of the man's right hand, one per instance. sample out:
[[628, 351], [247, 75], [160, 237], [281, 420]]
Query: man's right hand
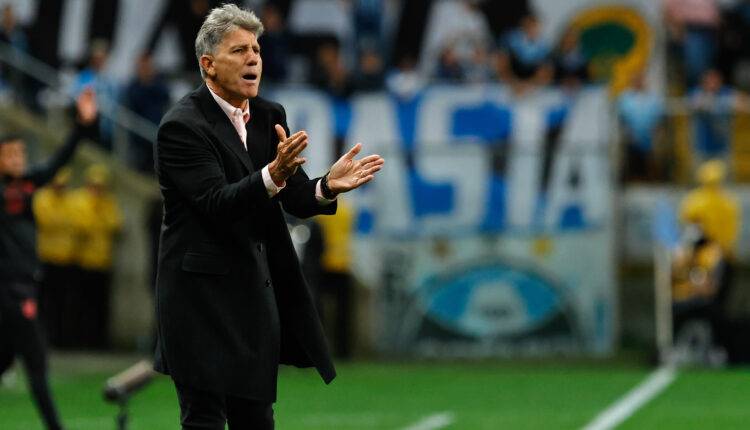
[[287, 160]]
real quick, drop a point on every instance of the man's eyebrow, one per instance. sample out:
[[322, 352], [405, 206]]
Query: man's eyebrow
[[250, 45]]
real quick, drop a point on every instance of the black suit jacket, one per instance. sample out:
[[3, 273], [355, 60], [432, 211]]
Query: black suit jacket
[[231, 301]]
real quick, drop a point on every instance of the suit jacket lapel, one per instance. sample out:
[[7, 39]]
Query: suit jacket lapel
[[257, 137], [223, 128]]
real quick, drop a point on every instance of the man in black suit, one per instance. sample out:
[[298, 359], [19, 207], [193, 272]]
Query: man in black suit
[[231, 300]]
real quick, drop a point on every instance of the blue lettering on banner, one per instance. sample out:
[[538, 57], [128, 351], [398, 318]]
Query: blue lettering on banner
[[488, 121], [475, 158]]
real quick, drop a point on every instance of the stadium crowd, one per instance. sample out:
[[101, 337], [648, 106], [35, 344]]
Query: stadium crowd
[[347, 47]]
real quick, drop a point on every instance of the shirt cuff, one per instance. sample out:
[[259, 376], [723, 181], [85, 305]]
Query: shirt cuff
[[319, 195], [271, 186]]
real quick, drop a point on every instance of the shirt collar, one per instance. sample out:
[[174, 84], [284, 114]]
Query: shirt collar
[[231, 111]]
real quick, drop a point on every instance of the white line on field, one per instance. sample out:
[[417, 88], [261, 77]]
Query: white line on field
[[433, 422], [628, 404]]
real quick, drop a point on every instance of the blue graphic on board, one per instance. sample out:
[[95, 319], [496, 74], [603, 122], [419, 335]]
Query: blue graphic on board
[[406, 113], [572, 218], [556, 116], [494, 300], [494, 219], [429, 198], [342, 116]]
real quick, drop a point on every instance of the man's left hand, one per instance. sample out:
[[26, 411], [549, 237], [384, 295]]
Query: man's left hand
[[347, 173]]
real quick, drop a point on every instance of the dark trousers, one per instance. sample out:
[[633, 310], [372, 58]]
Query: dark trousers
[[21, 334], [206, 410]]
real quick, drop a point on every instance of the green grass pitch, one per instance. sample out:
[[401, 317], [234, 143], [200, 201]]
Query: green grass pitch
[[485, 395]]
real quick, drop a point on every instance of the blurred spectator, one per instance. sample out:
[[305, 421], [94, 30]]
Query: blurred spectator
[[703, 271], [712, 105], [148, 96], [370, 74], [692, 27], [463, 61], [98, 220], [641, 112], [571, 64], [449, 68], [499, 64], [699, 286], [56, 242], [106, 90], [331, 75], [336, 279], [526, 50], [458, 24], [713, 210], [477, 64], [275, 41], [405, 81]]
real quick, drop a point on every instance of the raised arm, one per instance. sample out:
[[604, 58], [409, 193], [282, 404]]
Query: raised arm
[[84, 127]]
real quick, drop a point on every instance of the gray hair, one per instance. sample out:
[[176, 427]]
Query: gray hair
[[219, 22]]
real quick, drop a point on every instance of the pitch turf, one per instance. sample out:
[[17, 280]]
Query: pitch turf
[[394, 396]]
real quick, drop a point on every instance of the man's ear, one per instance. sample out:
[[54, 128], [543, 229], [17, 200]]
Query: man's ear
[[207, 64]]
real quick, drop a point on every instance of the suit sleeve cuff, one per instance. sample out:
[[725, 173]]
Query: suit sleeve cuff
[[319, 195], [271, 187]]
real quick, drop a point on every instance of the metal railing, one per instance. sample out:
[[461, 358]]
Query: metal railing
[[129, 122]]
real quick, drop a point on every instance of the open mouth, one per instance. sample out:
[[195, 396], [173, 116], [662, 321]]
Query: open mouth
[[250, 76]]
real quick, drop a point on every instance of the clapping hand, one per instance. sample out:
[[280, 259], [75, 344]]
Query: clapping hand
[[287, 151], [347, 173]]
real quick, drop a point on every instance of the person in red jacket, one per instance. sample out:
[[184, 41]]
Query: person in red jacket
[[20, 330]]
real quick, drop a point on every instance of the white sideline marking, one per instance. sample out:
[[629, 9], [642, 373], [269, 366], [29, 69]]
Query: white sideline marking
[[626, 405], [432, 422]]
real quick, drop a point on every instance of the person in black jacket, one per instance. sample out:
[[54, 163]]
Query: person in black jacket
[[231, 300], [20, 330]]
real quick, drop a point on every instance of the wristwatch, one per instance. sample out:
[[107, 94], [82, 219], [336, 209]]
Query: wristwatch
[[325, 190]]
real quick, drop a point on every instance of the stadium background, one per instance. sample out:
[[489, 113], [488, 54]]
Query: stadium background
[[502, 228]]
